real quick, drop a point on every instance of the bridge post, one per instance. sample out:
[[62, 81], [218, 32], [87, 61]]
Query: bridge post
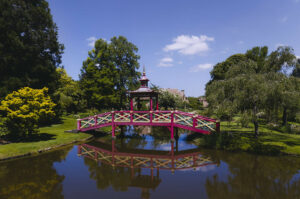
[[218, 126], [172, 126], [172, 157], [194, 162], [79, 150], [113, 124], [131, 116], [113, 131], [78, 124], [95, 118], [194, 121], [96, 155]]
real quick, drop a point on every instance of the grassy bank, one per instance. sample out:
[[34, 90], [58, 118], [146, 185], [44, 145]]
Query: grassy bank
[[49, 137], [233, 137]]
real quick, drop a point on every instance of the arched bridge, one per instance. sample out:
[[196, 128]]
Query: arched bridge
[[169, 119]]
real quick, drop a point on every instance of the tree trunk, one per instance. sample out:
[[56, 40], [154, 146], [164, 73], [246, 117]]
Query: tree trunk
[[255, 122], [284, 117], [255, 128]]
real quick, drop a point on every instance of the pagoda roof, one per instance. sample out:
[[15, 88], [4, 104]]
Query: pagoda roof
[[143, 90], [144, 78]]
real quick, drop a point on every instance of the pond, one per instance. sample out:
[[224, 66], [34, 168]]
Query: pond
[[148, 165]]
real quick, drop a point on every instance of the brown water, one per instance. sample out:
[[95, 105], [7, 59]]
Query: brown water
[[148, 167]]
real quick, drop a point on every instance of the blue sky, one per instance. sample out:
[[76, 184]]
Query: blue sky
[[178, 41]]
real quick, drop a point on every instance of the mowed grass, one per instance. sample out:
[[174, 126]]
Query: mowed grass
[[51, 136], [289, 143]]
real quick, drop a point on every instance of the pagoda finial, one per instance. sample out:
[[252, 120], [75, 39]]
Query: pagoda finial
[[144, 70]]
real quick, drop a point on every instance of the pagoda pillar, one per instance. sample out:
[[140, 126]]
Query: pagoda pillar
[[151, 104], [131, 104]]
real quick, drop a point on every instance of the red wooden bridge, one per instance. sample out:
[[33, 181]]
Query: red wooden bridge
[[151, 117], [169, 119]]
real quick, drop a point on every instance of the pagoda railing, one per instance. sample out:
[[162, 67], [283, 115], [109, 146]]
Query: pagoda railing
[[170, 119]]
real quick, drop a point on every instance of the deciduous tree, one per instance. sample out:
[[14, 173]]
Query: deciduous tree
[[29, 48], [109, 72]]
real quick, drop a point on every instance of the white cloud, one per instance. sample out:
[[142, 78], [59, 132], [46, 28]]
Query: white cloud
[[201, 67], [189, 45], [166, 62], [283, 19], [298, 57], [296, 1], [91, 41], [241, 42]]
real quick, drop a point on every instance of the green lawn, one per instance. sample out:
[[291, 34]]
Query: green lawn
[[52, 136], [239, 138]]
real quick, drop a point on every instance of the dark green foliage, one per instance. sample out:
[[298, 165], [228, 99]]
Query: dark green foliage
[[29, 48], [259, 56], [194, 103], [109, 71], [167, 100], [220, 69], [296, 71]]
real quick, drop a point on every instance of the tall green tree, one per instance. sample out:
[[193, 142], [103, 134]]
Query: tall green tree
[[125, 59], [29, 48], [108, 72], [69, 93]]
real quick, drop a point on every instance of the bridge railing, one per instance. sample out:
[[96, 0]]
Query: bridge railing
[[152, 118]]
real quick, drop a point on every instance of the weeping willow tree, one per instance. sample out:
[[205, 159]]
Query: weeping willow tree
[[254, 83]]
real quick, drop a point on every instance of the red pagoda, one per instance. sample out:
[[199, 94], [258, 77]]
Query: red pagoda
[[143, 93]]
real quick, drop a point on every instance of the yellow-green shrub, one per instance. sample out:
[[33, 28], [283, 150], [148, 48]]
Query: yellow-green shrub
[[25, 108]]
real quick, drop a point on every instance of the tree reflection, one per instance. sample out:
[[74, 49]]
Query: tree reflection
[[32, 177], [121, 178], [256, 177]]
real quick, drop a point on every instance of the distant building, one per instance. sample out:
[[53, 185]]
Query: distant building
[[202, 100]]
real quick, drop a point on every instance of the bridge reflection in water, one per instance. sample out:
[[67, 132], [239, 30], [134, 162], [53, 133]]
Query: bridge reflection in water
[[141, 158]]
